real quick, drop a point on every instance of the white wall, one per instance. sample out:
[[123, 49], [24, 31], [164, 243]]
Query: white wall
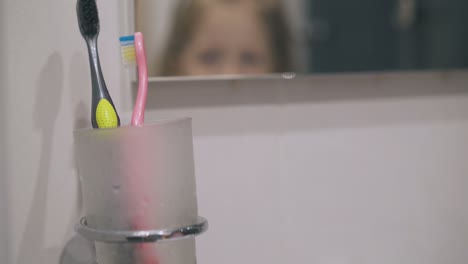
[[48, 96], [328, 170], [4, 234]]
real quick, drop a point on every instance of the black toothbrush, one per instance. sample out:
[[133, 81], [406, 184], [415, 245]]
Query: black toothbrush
[[103, 112]]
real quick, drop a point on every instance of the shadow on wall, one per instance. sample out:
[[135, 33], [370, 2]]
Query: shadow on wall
[[47, 107], [80, 88], [78, 250]]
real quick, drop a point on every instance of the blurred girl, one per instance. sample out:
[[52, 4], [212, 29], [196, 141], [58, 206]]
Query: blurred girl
[[227, 37]]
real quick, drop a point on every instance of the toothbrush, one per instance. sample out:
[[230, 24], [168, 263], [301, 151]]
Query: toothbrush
[[133, 50], [103, 112]]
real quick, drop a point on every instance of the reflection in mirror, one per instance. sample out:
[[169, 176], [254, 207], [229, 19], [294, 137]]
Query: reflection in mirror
[[256, 37]]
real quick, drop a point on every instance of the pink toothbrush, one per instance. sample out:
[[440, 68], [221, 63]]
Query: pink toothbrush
[[138, 117], [133, 50]]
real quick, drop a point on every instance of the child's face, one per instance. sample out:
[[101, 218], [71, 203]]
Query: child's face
[[229, 39]]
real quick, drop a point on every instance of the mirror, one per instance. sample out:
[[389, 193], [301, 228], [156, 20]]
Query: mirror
[[257, 37]]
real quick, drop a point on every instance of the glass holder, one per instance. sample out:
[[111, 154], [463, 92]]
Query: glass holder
[[139, 193], [141, 236]]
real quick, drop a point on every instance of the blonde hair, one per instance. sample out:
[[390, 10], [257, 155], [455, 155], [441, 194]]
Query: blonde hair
[[187, 17]]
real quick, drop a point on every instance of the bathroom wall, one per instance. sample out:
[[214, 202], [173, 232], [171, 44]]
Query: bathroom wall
[[4, 235], [47, 97], [331, 169]]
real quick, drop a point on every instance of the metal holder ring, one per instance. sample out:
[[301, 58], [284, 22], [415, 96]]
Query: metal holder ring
[[141, 236]]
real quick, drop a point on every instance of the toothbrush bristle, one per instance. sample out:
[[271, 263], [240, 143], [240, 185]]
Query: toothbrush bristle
[[127, 48], [88, 17]]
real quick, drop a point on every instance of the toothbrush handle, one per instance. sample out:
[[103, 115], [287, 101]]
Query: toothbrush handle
[[103, 112], [138, 116]]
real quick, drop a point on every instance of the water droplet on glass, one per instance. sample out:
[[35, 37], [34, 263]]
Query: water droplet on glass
[[116, 188], [289, 75]]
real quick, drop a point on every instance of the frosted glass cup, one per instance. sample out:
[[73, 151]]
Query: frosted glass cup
[[135, 179]]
